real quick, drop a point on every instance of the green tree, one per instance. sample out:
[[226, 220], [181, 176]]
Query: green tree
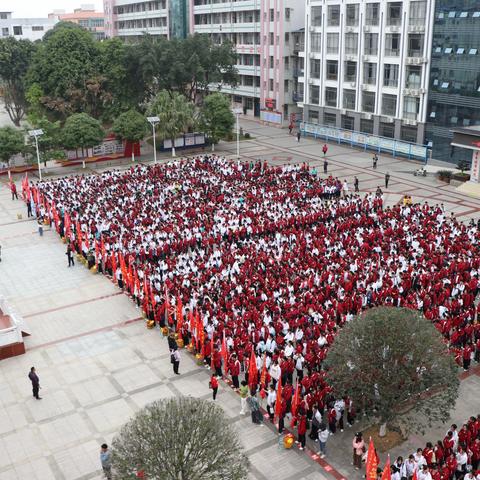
[[131, 126], [394, 364], [50, 141], [216, 117], [12, 142], [176, 115], [179, 439], [15, 59], [82, 131]]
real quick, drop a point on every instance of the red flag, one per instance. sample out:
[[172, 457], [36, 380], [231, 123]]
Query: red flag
[[224, 351], [278, 401], [296, 399], [372, 462], [212, 350], [414, 477], [252, 370], [87, 241], [68, 224], [114, 268], [179, 314], [191, 319], [79, 235], [387, 474], [263, 375], [96, 253]]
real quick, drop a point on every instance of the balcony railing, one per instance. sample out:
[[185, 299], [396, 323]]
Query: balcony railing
[[389, 52]]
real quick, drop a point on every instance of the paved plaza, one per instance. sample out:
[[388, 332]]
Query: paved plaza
[[98, 364]]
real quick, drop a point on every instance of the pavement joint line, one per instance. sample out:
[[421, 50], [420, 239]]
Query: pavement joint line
[[70, 305], [84, 334]]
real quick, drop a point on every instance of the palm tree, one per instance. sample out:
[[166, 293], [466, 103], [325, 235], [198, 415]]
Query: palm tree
[[176, 115]]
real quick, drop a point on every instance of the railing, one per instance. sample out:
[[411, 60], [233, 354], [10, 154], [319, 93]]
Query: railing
[[389, 52], [366, 141]]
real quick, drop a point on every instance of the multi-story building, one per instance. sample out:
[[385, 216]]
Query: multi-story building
[[262, 32], [86, 17], [25, 28], [367, 65], [454, 90]]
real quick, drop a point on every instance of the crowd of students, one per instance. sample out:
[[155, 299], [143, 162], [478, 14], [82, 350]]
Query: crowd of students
[[243, 258]]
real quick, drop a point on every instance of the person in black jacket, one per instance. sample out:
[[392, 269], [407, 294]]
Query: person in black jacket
[[35, 383]]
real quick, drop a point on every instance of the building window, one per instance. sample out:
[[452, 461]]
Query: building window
[[5, 32], [3, 16], [392, 44], [315, 94], [330, 119], [368, 102], [315, 42], [313, 116], [316, 16], [371, 43], [408, 134], [350, 71], [415, 45], [17, 30], [347, 122], [332, 70], [334, 15], [390, 75], [332, 42], [394, 14], [411, 106], [351, 43], [370, 73], [372, 13], [287, 14], [37, 28], [387, 130], [331, 97], [315, 68], [413, 77], [366, 126], [389, 105], [349, 98], [417, 13], [352, 15]]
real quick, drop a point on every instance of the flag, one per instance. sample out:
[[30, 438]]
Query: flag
[[224, 351], [179, 315], [252, 370], [96, 253], [414, 477], [278, 401], [296, 399], [372, 462], [68, 225], [263, 375], [212, 350], [114, 268], [191, 319], [387, 474]]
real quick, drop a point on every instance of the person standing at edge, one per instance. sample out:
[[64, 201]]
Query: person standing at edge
[[375, 160], [69, 254], [243, 396], [175, 359], [387, 179], [106, 461], [325, 166], [214, 385], [13, 189], [355, 183], [299, 136], [35, 383]]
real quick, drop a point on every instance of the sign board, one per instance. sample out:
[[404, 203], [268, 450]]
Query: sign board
[[475, 171]]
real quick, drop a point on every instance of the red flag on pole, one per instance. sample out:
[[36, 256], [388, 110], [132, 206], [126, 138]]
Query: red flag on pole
[[114, 268], [191, 322], [224, 351], [252, 370], [278, 401], [179, 314], [296, 399], [212, 350], [263, 377], [387, 474], [372, 462]]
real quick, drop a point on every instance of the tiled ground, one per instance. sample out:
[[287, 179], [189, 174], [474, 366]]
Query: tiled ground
[[97, 362]]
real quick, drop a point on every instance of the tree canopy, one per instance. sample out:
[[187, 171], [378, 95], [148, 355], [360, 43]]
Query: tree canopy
[[82, 131], [176, 115], [179, 439], [131, 126], [11, 142], [216, 117], [393, 363], [15, 59]]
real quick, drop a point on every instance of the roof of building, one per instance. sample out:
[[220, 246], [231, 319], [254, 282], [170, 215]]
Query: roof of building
[[80, 15]]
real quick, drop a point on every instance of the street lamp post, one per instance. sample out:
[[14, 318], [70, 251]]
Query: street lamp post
[[36, 134], [237, 112], [153, 121]]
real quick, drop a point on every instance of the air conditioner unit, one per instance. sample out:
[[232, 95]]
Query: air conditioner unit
[[365, 86], [343, 111], [349, 29], [366, 28], [394, 29], [353, 84], [311, 81], [422, 91], [365, 58], [367, 116], [311, 55], [312, 29], [388, 119], [407, 91], [407, 121]]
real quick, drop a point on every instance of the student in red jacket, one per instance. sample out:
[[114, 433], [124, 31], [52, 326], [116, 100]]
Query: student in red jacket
[[302, 429], [214, 385]]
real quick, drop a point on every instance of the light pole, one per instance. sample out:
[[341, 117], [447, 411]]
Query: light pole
[[237, 112], [153, 121], [36, 134]]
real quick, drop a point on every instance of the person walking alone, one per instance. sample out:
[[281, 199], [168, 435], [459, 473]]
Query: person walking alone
[[358, 450], [13, 189], [243, 391], [387, 179], [35, 383], [106, 461], [175, 360], [323, 435], [299, 136], [214, 385], [324, 149], [355, 184], [69, 254], [325, 166], [375, 161]]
